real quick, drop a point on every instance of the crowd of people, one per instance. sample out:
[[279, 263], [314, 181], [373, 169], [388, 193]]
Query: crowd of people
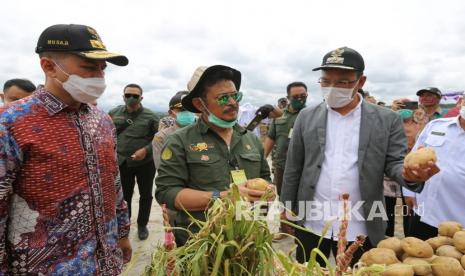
[[68, 170]]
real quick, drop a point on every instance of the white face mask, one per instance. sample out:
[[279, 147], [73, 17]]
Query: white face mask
[[84, 90], [337, 97], [462, 111]]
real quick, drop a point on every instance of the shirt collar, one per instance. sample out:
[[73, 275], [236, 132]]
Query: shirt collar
[[286, 110], [456, 121], [52, 103]]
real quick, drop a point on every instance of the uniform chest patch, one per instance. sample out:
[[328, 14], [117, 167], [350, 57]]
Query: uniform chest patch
[[166, 154], [199, 147]]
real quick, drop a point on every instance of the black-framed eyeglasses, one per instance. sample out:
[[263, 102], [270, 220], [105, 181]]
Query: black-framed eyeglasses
[[127, 96], [223, 99], [339, 83]]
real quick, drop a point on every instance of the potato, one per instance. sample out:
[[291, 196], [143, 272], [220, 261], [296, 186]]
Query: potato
[[415, 247], [446, 266], [430, 259], [379, 256], [449, 251], [420, 157], [392, 243], [398, 270], [257, 184], [459, 241], [462, 261], [420, 266], [448, 228], [438, 241]]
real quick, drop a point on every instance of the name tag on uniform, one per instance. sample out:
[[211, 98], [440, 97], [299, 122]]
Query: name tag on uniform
[[238, 176], [290, 133], [438, 133]]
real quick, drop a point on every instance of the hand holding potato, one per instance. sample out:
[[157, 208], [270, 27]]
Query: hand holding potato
[[255, 189], [420, 165]]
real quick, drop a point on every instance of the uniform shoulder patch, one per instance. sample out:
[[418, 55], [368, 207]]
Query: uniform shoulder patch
[[166, 154]]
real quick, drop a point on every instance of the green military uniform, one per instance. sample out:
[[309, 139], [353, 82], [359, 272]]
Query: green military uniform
[[137, 135], [196, 157], [280, 132]]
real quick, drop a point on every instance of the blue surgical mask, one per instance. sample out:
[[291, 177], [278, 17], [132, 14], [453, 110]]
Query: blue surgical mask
[[217, 121], [185, 118]]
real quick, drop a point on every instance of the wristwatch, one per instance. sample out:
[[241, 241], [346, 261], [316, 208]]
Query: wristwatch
[[216, 194]]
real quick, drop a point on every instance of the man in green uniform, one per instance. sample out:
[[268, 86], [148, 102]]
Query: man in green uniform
[[199, 162], [280, 130], [135, 128]]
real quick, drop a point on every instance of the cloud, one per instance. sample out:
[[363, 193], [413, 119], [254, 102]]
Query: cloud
[[407, 45]]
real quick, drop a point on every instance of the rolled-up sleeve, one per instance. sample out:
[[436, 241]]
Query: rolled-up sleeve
[[172, 173]]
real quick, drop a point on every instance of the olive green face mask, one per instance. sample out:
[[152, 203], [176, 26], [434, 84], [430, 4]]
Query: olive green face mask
[[298, 104], [131, 101]]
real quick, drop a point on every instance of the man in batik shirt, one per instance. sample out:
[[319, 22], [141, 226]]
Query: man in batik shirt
[[61, 205]]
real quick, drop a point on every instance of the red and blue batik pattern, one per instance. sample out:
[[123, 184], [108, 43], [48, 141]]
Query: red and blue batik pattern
[[61, 205]]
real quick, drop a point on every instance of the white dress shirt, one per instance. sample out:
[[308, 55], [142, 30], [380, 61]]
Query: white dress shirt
[[443, 196], [339, 174]]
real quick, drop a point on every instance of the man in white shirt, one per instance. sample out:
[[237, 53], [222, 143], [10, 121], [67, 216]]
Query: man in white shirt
[[443, 196], [344, 145]]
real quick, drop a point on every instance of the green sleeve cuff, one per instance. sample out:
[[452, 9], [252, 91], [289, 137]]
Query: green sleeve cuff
[[149, 149], [169, 197]]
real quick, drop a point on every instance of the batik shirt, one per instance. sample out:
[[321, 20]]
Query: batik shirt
[[61, 206]]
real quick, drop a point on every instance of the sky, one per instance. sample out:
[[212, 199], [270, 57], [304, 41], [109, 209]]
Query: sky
[[406, 44]]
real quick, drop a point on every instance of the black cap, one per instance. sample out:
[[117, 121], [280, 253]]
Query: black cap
[[342, 58], [77, 39], [433, 90], [200, 74], [175, 101]]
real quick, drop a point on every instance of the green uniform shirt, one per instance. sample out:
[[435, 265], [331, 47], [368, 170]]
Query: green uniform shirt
[[137, 135], [196, 157], [280, 132]]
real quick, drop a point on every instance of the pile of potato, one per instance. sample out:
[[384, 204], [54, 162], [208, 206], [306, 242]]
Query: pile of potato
[[443, 255]]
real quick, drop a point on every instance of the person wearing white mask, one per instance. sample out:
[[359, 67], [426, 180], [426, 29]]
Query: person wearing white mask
[[344, 145], [61, 200], [443, 196]]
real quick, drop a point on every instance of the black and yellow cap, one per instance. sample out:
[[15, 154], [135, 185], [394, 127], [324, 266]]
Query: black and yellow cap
[[175, 101], [81, 40], [342, 58]]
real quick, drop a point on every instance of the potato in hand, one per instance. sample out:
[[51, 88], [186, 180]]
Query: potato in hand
[[421, 157]]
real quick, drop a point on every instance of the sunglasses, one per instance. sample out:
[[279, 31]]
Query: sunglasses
[[224, 99], [299, 97], [127, 96]]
